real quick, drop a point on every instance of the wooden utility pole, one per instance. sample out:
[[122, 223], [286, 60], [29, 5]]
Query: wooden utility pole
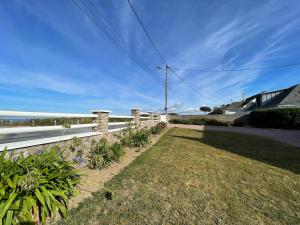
[[166, 89]]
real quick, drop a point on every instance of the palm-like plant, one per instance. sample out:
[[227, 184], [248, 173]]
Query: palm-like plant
[[36, 187]]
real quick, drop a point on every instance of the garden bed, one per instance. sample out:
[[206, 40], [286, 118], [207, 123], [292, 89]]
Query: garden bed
[[93, 180]]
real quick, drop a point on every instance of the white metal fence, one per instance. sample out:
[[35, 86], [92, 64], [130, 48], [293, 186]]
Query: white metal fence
[[12, 137]]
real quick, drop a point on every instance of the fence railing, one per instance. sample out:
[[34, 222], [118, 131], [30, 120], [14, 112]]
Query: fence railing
[[14, 137], [16, 130], [45, 114]]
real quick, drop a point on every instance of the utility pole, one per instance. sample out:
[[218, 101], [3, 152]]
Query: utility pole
[[166, 89]]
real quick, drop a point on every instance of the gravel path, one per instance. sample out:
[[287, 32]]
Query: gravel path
[[291, 137]]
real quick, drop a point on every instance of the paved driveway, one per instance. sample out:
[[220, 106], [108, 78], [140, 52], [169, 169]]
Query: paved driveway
[[291, 137]]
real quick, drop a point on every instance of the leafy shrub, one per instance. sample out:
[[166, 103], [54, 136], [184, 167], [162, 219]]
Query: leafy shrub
[[201, 121], [96, 161], [118, 151], [157, 129], [102, 153], [162, 125], [135, 138], [36, 187], [241, 121], [216, 110], [76, 141], [205, 109], [77, 146], [288, 118]]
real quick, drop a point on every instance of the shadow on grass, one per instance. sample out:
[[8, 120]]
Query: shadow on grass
[[254, 147]]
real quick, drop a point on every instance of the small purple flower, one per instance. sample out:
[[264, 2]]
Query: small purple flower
[[39, 151], [78, 160]]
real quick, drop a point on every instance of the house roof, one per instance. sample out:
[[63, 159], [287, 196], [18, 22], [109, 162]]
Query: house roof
[[292, 96], [287, 97], [235, 105]]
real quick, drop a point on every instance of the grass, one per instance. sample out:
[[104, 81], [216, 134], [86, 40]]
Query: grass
[[194, 177]]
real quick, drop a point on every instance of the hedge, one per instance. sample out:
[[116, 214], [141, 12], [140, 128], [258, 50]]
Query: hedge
[[287, 118], [237, 122], [201, 121]]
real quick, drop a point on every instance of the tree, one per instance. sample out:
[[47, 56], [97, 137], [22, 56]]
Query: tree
[[205, 109], [217, 110]]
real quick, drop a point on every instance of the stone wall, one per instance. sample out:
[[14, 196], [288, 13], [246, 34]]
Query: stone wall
[[66, 145]]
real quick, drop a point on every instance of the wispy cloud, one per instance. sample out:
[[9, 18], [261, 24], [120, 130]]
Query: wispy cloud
[[69, 86], [228, 43]]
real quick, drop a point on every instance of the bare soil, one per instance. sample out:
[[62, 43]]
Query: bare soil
[[93, 180]]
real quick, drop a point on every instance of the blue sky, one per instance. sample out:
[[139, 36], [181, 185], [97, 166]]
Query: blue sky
[[53, 58]]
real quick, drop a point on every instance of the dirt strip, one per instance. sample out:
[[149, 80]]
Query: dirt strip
[[92, 180]]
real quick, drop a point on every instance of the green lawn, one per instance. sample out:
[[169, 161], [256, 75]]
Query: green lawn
[[194, 177]]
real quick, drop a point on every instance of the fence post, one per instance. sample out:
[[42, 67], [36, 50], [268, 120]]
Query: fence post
[[136, 114], [102, 120], [151, 115]]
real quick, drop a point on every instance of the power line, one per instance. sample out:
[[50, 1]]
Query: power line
[[163, 59], [105, 20], [192, 87], [148, 35], [114, 8], [236, 70], [114, 30], [110, 36]]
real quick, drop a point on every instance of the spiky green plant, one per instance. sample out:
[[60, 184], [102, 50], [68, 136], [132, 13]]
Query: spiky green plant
[[100, 154], [103, 153], [135, 138], [118, 150], [158, 128], [36, 187]]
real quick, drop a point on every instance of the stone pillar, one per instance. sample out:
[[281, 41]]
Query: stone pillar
[[102, 120], [136, 116], [151, 115]]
